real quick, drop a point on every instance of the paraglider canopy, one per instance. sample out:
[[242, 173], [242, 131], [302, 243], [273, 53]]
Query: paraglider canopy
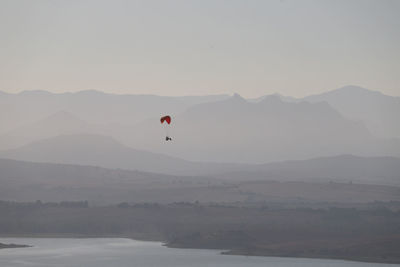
[[165, 118]]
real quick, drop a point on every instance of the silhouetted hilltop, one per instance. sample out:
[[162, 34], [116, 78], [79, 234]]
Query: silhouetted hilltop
[[341, 179], [91, 106], [59, 123], [379, 112], [95, 150], [210, 128], [236, 130]]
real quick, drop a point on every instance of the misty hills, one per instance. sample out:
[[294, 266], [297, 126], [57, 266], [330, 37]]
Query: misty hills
[[379, 112], [59, 123], [102, 151], [236, 130], [106, 152], [209, 128], [95, 150], [342, 168], [29, 181], [91, 106]]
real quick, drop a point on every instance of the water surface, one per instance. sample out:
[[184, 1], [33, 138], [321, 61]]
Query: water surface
[[120, 252]]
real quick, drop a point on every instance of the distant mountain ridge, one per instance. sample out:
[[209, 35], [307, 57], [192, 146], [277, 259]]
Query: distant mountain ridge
[[341, 168], [375, 109], [209, 128], [324, 179], [59, 123], [94, 150], [236, 130], [31, 181], [91, 106], [379, 112], [105, 152]]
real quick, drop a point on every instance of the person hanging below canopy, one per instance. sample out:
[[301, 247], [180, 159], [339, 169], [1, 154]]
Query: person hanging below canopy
[[166, 121]]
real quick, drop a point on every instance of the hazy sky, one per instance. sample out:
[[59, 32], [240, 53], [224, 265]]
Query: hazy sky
[[200, 47]]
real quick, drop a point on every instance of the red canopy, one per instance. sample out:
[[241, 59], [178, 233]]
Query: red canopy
[[165, 118]]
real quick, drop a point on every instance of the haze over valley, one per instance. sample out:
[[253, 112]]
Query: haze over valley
[[257, 128], [93, 154], [270, 129]]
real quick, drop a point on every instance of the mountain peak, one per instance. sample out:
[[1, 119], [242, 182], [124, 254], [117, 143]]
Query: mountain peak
[[353, 88], [275, 98], [348, 93], [236, 98]]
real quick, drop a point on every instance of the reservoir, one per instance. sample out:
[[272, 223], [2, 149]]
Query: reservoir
[[120, 252]]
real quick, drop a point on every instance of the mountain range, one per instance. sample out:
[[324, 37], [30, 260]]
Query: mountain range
[[286, 181], [216, 128], [376, 110], [379, 112], [105, 152], [91, 106], [236, 130]]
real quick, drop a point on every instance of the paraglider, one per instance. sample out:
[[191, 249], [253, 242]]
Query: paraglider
[[166, 120]]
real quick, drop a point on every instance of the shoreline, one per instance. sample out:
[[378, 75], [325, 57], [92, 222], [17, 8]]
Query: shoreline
[[283, 254], [312, 256], [237, 252], [4, 246]]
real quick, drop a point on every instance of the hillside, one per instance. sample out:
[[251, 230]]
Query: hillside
[[29, 181], [379, 112], [91, 106], [235, 130], [342, 168], [96, 150], [59, 123], [211, 128]]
